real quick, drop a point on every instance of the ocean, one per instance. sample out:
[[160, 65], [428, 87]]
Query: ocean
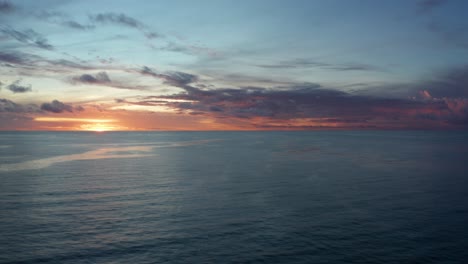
[[234, 197]]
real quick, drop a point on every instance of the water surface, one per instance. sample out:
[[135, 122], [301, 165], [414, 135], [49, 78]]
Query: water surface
[[234, 197]]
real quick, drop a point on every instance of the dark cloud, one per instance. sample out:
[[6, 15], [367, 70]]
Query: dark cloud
[[452, 83], [56, 107], [312, 101], [455, 35], [124, 20], [9, 106], [152, 35], [99, 78], [115, 18], [180, 79], [12, 107], [6, 7], [119, 19], [148, 71], [307, 63], [79, 108], [29, 37], [449, 83], [428, 5], [16, 87], [175, 78], [307, 101], [13, 57]]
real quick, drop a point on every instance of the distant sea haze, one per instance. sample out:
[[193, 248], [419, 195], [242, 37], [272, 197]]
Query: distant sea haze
[[234, 197]]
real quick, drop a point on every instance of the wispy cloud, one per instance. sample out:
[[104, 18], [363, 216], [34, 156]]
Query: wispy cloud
[[175, 78], [115, 18], [308, 63], [28, 36], [428, 5], [63, 19], [76, 25], [455, 35], [102, 78], [124, 20]]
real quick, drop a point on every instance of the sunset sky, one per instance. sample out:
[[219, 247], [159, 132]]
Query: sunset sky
[[233, 65]]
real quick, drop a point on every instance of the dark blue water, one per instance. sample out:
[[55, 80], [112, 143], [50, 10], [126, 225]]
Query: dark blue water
[[234, 197]]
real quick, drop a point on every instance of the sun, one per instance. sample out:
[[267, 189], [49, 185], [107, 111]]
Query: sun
[[97, 127]]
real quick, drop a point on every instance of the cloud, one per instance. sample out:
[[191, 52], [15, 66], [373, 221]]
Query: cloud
[[70, 64], [316, 104], [115, 18], [188, 49], [9, 106], [308, 63], [148, 71], [124, 20], [63, 19], [56, 107], [99, 78], [79, 108], [16, 87], [13, 57], [448, 83], [175, 78], [12, 107], [37, 63], [29, 37], [308, 100], [455, 35], [180, 79], [426, 6], [6, 7], [451, 83], [76, 25]]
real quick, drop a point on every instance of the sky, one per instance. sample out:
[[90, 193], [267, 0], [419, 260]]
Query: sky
[[233, 65]]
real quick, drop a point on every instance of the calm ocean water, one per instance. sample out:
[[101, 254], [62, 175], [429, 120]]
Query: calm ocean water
[[234, 197]]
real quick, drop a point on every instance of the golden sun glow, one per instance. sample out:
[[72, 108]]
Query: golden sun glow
[[73, 119], [98, 127], [85, 124]]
